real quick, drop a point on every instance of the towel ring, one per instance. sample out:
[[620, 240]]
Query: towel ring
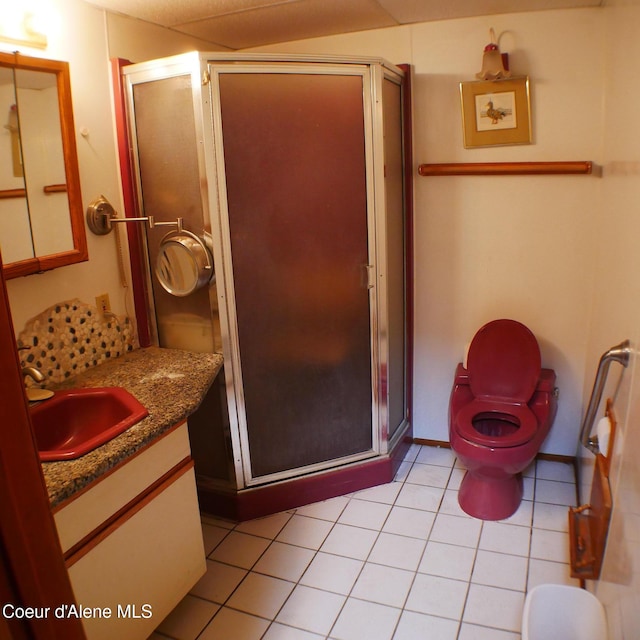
[[184, 263]]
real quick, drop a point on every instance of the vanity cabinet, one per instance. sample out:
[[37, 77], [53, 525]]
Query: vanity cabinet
[[133, 541]]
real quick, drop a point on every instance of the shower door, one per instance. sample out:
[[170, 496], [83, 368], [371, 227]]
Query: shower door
[[292, 145]]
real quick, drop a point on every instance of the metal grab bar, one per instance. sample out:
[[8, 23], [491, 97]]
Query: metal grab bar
[[621, 354]]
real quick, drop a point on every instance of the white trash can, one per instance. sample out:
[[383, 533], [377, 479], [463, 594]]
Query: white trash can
[[560, 612]]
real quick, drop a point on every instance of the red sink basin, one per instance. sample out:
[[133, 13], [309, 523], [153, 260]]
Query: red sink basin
[[77, 421]]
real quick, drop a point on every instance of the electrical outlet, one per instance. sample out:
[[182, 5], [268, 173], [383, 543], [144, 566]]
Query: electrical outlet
[[102, 302]]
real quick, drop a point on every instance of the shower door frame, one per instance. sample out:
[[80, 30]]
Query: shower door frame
[[372, 75], [198, 66]]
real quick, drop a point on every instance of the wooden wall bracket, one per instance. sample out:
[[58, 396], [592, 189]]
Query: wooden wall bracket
[[589, 526], [584, 167], [13, 193], [55, 188], [22, 193]]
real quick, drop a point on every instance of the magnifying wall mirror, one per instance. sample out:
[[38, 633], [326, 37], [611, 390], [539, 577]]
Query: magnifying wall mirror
[[184, 263], [41, 216]]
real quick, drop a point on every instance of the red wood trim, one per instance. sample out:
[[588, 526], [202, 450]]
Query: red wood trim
[[21, 268], [72, 172], [76, 214], [254, 503], [506, 168], [13, 193], [400, 450], [268, 499], [93, 539], [113, 469], [30, 552], [137, 252], [279, 496], [46, 263], [55, 188], [10, 627]]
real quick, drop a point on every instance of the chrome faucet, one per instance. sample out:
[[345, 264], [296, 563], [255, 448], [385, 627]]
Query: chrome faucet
[[35, 374]]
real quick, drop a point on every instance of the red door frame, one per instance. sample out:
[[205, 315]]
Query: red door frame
[[31, 561], [137, 252]]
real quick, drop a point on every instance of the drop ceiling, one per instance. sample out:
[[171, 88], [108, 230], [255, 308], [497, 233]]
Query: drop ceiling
[[240, 24]]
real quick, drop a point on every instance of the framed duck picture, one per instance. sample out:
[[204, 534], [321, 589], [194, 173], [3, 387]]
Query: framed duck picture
[[496, 112]]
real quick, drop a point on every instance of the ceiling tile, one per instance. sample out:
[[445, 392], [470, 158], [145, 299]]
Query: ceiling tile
[[170, 12], [239, 24], [290, 21], [408, 11]]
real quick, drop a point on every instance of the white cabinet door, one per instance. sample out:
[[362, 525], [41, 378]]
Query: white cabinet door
[[144, 565]]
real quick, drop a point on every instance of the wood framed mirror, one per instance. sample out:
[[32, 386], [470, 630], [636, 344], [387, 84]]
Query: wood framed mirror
[[41, 216]]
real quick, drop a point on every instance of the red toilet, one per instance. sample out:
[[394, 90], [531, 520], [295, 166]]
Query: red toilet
[[501, 409]]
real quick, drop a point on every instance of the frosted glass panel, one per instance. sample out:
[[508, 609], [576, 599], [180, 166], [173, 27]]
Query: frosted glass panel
[[394, 180], [295, 177], [170, 183]]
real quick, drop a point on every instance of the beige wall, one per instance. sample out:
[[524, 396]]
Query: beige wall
[[616, 308], [139, 41], [489, 247], [87, 38]]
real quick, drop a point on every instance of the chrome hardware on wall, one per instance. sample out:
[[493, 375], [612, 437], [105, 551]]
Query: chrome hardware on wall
[[621, 354], [184, 263], [101, 216]]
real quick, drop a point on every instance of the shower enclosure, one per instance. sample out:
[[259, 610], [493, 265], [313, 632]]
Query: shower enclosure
[[291, 170]]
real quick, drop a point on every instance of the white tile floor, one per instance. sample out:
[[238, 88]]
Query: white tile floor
[[398, 561]]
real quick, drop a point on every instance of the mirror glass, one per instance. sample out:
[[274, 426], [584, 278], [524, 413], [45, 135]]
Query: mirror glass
[[41, 221], [14, 213], [184, 264]]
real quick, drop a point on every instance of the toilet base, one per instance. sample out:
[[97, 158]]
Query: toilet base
[[490, 498]]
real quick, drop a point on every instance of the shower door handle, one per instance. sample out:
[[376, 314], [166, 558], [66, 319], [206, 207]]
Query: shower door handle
[[368, 276]]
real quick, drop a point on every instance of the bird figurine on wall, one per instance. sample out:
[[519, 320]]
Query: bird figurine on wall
[[495, 65]]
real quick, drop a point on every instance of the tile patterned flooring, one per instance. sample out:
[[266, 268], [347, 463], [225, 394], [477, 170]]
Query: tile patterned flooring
[[400, 561]]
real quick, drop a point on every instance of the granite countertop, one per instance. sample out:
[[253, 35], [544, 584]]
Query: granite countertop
[[170, 383]]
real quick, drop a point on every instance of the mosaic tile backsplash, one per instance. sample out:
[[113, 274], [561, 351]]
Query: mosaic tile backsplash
[[71, 337]]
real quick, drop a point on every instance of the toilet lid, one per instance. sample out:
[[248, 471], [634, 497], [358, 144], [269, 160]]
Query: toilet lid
[[504, 361], [522, 415]]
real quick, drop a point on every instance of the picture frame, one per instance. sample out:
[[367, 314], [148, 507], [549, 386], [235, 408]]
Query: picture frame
[[496, 112]]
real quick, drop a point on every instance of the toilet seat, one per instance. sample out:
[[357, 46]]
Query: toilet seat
[[503, 365], [504, 362], [524, 417]]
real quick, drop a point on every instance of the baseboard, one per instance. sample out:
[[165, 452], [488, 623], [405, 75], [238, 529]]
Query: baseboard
[[432, 443], [552, 457]]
